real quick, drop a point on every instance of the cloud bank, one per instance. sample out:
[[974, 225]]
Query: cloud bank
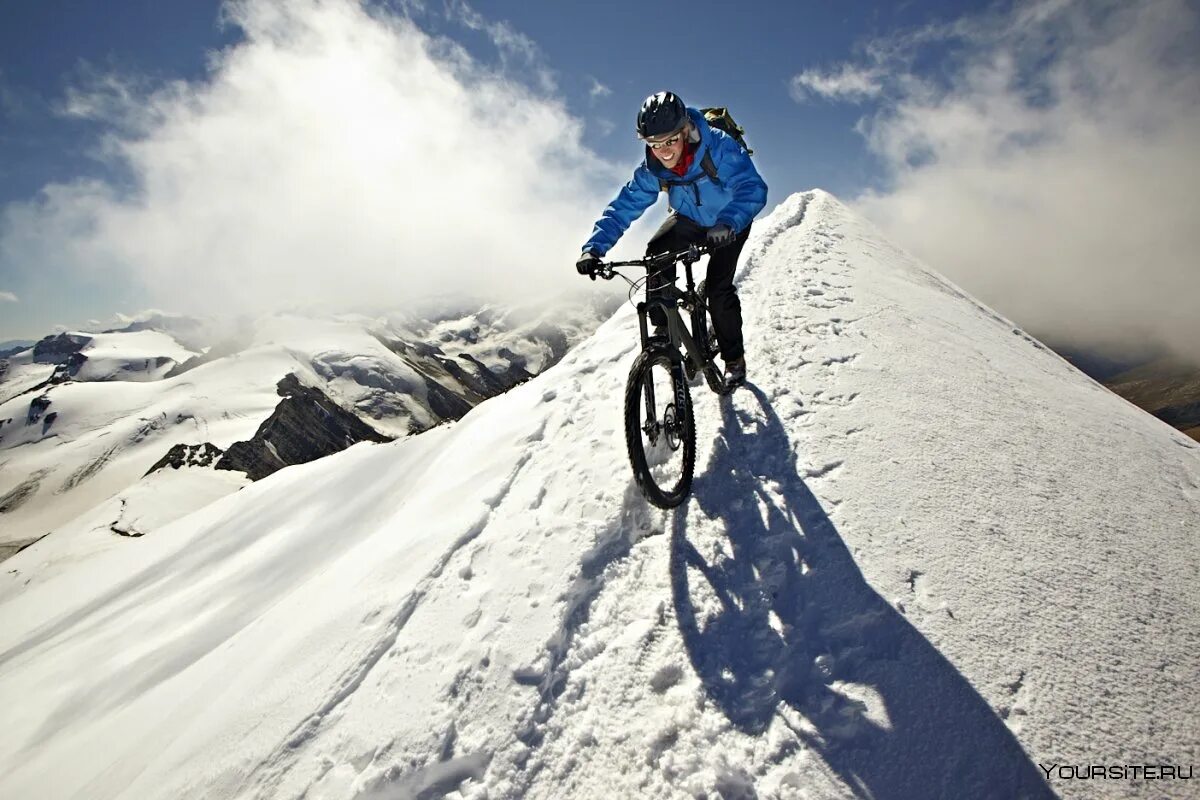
[[1049, 163], [336, 157]]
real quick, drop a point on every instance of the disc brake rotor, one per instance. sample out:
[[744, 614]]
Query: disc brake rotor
[[672, 427]]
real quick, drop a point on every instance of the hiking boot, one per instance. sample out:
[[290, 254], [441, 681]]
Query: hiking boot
[[735, 371]]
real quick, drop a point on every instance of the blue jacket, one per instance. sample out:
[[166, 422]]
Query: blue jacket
[[734, 199]]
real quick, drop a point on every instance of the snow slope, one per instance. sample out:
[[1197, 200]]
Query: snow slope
[[923, 555]]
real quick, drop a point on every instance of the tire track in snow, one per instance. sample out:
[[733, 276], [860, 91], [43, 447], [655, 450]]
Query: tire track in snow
[[624, 528], [482, 690]]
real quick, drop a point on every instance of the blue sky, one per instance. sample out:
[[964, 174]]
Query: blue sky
[[909, 110]]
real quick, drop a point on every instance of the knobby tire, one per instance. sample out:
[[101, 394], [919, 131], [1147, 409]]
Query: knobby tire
[[660, 357]]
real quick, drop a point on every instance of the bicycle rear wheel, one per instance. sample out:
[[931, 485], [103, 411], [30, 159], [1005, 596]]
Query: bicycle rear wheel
[[660, 432]]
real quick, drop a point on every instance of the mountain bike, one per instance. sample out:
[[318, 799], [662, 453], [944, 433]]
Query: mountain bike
[[660, 431]]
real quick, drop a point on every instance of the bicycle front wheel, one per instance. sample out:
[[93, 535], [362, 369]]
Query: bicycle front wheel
[[660, 432]]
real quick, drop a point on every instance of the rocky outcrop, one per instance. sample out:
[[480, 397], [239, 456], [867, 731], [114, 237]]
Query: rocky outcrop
[[62, 350], [37, 407], [305, 426], [453, 386], [482, 381], [516, 372], [188, 455], [59, 349], [475, 384], [444, 403]]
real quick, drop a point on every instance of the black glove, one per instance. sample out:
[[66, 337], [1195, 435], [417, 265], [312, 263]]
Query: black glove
[[587, 264], [720, 235]]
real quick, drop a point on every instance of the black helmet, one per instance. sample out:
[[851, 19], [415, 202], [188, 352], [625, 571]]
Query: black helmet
[[661, 113]]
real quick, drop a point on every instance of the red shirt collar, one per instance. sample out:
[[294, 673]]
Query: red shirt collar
[[685, 162]]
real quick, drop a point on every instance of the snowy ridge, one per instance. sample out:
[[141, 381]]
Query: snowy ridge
[[144, 355], [923, 555]]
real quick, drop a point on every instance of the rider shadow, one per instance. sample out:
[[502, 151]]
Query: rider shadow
[[787, 620]]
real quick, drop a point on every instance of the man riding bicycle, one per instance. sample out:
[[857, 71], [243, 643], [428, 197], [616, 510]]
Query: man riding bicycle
[[704, 208]]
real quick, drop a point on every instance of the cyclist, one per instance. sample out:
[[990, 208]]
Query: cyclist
[[681, 152]]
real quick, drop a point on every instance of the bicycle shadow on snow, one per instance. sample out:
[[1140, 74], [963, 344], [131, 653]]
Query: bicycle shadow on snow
[[796, 625]]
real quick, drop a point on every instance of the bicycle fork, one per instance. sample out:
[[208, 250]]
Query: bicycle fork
[[671, 422]]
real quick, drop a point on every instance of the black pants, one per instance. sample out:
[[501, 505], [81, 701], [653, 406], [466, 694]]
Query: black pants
[[676, 234]]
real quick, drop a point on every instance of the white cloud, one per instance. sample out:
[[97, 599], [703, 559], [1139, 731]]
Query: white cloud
[[847, 82], [598, 90], [1052, 169], [107, 97], [337, 156], [8, 297]]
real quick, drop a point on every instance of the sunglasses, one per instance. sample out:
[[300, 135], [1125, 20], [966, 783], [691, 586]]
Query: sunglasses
[[669, 142]]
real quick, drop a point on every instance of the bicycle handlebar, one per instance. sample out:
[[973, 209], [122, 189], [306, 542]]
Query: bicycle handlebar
[[689, 256]]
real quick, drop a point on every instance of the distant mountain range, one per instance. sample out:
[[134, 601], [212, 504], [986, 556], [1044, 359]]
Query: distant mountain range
[[88, 420], [1163, 385], [1167, 388], [14, 346]]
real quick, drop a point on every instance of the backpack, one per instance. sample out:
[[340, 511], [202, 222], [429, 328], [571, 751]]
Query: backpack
[[722, 120], [719, 118]]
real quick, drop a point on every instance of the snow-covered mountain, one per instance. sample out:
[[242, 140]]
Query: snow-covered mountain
[[84, 416], [925, 558]]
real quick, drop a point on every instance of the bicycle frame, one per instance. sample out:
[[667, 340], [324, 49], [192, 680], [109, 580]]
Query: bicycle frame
[[681, 336], [670, 299]]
